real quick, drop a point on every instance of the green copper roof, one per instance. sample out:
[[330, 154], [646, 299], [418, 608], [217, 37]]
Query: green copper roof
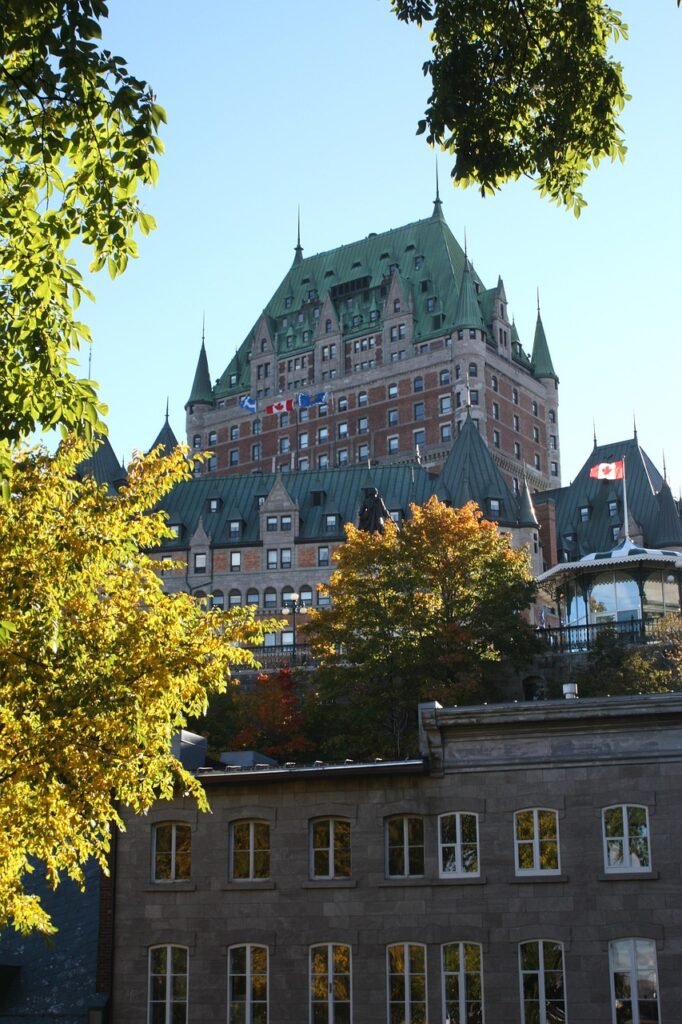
[[103, 466], [470, 474], [166, 437], [648, 504], [541, 361], [468, 310], [349, 280], [201, 392]]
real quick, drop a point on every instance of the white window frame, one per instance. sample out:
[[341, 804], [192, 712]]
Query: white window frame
[[536, 842], [253, 873], [540, 974], [627, 839], [173, 875], [460, 848], [407, 1004], [634, 951], [405, 846], [457, 984], [328, 853], [249, 1000], [328, 986], [173, 995]]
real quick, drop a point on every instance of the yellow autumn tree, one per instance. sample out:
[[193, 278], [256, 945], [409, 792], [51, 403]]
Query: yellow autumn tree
[[99, 667]]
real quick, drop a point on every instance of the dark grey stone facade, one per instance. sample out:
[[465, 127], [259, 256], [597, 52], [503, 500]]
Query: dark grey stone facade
[[574, 758]]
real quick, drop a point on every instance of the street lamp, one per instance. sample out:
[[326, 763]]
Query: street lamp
[[294, 604]]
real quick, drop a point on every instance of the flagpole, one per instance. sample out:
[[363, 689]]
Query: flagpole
[[625, 503]]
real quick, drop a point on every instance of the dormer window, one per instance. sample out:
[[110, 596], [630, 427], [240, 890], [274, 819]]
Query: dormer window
[[287, 302], [200, 561], [328, 327], [233, 380], [176, 530], [584, 513], [214, 504], [234, 529], [613, 509], [396, 306], [494, 507], [330, 523]]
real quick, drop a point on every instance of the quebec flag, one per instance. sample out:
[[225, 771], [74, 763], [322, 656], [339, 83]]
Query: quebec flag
[[248, 403], [305, 400]]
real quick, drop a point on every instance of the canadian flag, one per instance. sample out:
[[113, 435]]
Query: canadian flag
[[608, 471], [285, 406]]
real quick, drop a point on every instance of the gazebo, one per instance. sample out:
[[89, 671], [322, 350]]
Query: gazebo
[[625, 589]]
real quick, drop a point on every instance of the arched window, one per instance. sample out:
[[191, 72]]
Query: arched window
[[168, 971], [493, 383], [235, 598], [307, 596], [218, 599], [270, 598], [252, 596], [327, 327], [247, 987], [473, 369]]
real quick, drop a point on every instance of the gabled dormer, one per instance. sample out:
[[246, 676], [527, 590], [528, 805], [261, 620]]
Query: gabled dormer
[[278, 512], [263, 342], [199, 556]]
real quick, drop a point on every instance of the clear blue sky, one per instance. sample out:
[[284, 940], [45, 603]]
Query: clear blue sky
[[273, 104]]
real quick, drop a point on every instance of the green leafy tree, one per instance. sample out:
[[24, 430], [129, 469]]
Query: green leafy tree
[[416, 614], [615, 668], [100, 666], [525, 87], [79, 137]]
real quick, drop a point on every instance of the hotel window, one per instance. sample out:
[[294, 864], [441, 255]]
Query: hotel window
[[494, 507], [234, 432], [445, 404], [496, 411], [430, 304], [517, 450], [419, 410], [418, 384], [401, 332], [212, 438], [322, 435], [392, 417], [552, 416], [392, 391], [584, 513], [496, 438], [303, 465], [200, 562], [283, 445], [363, 425], [168, 975], [285, 522], [342, 405], [323, 555], [473, 369], [363, 453], [536, 435], [444, 377], [458, 841], [613, 509], [342, 430], [272, 558], [536, 461], [212, 464], [330, 854], [419, 437], [234, 459], [256, 427], [393, 445], [342, 457], [303, 439], [362, 398], [196, 441], [446, 432], [252, 596], [330, 984], [626, 838], [271, 524], [406, 978], [269, 598], [331, 523], [554, 468], [328, 327], [543, 986], [515, 396], [323, 461], [247, 985], [404, 846], [255, 452], [462, 982], [634, 981], [536, 841], [534, 408], [493, 383], [472, 332], [517, 423], [394, 333], [473, 396], [235, 561], [172, 852], [285, 558], [249, 850], [234, 598], [552, 442]]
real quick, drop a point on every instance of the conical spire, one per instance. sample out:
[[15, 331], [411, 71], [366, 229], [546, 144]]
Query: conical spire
[[298, 251], [165, 437], [527, 515], [541, 361], [202, 392], [468, 310], [471, 474], [437, 204]]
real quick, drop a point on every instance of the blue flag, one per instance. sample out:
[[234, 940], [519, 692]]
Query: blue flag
[[248, 403], [305, 400]]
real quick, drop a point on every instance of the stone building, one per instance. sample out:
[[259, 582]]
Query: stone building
[[525, 869], [373, 352]]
